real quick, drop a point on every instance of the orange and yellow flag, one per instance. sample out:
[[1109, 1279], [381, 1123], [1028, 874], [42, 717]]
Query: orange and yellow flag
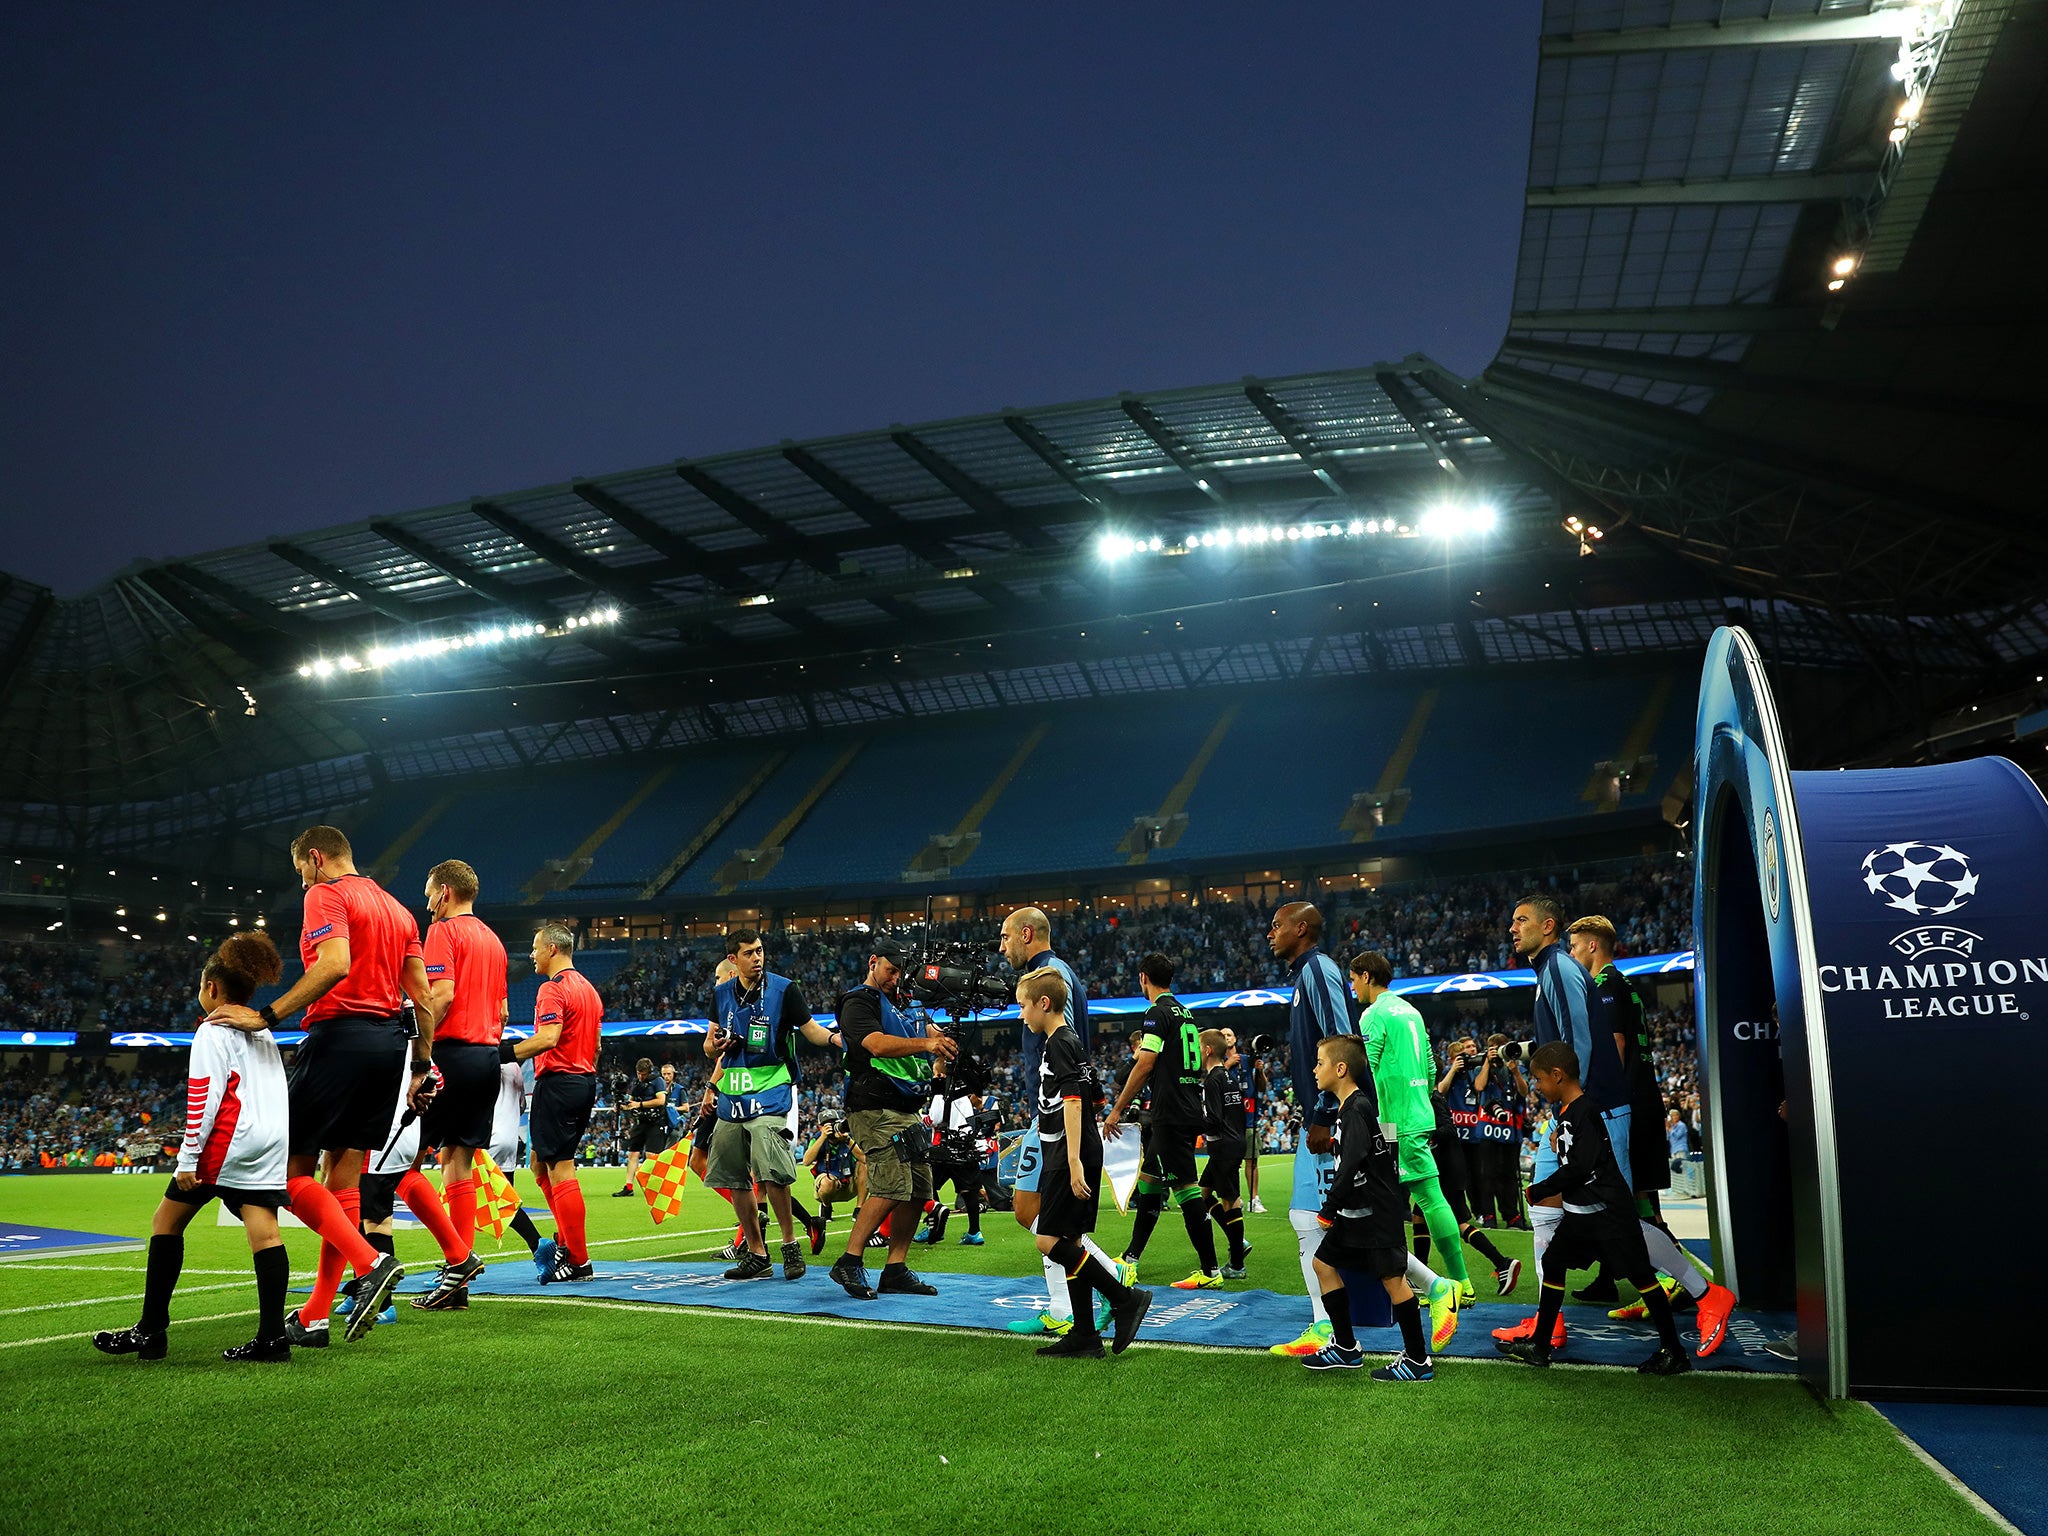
[[497, 1202], [661, 1181]]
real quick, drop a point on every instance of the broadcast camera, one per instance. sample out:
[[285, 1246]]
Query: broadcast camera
[[960, 979]]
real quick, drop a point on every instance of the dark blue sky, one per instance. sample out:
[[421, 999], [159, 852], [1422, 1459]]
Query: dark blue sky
[[272, 268]]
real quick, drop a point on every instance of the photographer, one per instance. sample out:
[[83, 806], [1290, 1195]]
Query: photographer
[[643, 1103], [758, 1016], [888, 1070], [836, 1171], [1502, 1092]]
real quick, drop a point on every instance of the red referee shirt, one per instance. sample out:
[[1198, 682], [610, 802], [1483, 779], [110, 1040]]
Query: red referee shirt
[[465, 951], [381, 936], [569, 997]]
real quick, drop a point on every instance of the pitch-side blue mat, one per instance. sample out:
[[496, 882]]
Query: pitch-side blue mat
[[19, 1242], [1233, 1319], [2001, 1451]]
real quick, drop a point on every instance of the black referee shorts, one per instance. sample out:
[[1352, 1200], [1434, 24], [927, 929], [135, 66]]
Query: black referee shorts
[[343, 1084], [560, 1114], [463, 1110], [378, 1193]]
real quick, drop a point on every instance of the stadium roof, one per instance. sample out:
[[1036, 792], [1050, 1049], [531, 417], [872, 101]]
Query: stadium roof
[[1837, 467]]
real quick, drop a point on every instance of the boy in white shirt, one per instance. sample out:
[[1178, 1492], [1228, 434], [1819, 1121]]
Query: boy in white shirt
[[237, 1116]]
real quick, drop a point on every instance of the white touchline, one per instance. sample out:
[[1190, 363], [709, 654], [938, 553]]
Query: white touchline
[[94, 1301], [59, 1338]]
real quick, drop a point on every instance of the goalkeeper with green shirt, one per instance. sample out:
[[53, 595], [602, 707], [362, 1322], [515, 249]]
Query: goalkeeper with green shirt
[[1397, 1047]]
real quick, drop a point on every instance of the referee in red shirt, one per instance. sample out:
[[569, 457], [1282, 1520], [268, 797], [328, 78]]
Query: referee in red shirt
[[362, 957], [568, 1017], [466, 985]]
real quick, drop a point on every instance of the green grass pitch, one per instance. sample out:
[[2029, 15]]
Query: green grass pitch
[[557, 1416]]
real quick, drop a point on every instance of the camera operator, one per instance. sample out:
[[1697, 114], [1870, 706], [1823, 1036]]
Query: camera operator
[[757, 1018], [957, 1147], [644, 1102], [888, 1082]]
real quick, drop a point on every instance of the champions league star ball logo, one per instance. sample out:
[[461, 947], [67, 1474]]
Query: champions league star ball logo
[[1923, 879]]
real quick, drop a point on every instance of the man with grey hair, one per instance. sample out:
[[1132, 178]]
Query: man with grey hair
[[1027, 944]]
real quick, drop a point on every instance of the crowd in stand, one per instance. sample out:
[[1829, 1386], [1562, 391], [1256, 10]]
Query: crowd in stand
[[55, 986], [1434, 928], [86, 1114], [1427, 929]]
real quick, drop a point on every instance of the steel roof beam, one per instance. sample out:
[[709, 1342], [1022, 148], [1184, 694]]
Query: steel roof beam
[[674, 547], [247, 644], [1674, 428], [25, 637], [1740, 319], [877, 515], [266, 614], [1207, 481], [495, 588], [778, 535], [1811, 187], [973, 492], [592, 573], [1418, 420], [1888, 24], [386, 603], [1281, 420], [1714, 374], [1055, 458]]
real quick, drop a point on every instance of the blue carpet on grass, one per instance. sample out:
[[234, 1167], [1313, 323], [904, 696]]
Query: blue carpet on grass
[[2000, 1451], [20, 1242], [1233, 1319]]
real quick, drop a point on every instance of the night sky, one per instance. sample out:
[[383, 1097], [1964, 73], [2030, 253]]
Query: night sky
[[273, 268]]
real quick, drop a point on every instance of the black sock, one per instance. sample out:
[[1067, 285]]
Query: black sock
[[1421, 1240], [166, 1259], [1144, 1219], [1081, 1296], [1484, 1244], [973, 1197], [1199, 1234], [796, 1208], [1233, 1228], [1082, 1265], [273, 1275], [1659, 1306], [1549, 1304], [1414, 1342], [1338, 1304], [528, 1232], [381, 1241]]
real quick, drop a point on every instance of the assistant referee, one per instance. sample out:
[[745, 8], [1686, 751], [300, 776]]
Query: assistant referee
[[362, 956]]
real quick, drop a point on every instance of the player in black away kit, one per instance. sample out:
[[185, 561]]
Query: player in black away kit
[[1599, 1217], [1223, 1130], [1070, 1183], [1364, 1219], [1169, 1060]]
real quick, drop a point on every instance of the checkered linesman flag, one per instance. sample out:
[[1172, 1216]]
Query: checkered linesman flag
[[661, 1180], [497, 1202]]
